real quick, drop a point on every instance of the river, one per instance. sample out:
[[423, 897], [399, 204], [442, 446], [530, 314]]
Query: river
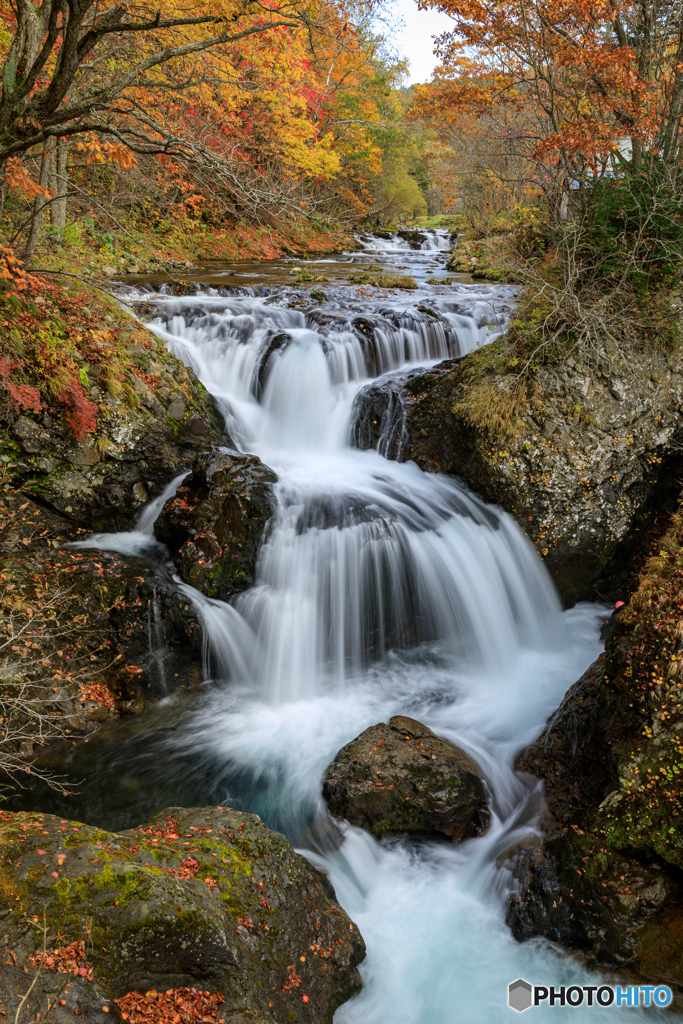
[[380, 590]]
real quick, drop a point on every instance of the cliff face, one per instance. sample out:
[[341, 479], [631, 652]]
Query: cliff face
[[581, 459], [605, 878]]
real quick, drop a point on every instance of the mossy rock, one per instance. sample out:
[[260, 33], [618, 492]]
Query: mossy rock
[[214, 524], [209, 898], [401, 778]]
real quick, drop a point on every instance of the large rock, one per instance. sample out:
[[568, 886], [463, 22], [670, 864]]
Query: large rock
[[379, 417], [214, 524], [582, 459], [605, 877], [152, 418], [210, 898], [402, 778]]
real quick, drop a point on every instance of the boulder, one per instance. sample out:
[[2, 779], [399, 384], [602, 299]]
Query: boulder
[[401, 778], [379, 418], [584, 461], [214, 524], [208, 899]]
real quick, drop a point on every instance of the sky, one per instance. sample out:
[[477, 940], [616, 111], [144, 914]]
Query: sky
[[415, 40]]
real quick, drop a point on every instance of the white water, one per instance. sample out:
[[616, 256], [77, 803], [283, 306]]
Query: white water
[[380, 590], [433, 241], [141, 538]]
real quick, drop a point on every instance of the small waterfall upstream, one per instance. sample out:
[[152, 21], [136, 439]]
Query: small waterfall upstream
[[380, 590]]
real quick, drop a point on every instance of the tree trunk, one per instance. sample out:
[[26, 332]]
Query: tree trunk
[[39, 205], [59, 186]]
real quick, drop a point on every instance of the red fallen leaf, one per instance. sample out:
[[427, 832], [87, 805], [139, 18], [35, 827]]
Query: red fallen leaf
[[55, 874], [82, 971], [306, 999], [41, 853], [189, 1005], [211, 882]]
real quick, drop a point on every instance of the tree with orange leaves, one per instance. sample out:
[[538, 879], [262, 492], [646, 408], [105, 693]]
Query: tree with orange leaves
[[581, 89]]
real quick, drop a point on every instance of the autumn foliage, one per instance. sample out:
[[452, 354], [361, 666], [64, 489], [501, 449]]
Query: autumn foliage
[[175, 1006], [220, 112], [575, 90]]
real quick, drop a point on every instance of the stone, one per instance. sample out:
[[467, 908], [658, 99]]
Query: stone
[[584, 466], [83, 455], [604, 877], [176, 410], [208, 898], [400, 778], [136, 352], [214, 524], [108, 270], [28, 434]]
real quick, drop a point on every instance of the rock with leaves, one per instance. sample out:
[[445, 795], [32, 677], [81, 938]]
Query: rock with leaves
[[604, 880], [399, 777], [208, 906]]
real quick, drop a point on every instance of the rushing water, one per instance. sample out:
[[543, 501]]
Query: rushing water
[[380, 590]]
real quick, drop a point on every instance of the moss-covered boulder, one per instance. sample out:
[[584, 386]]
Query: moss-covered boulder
[[214, 524], [111, 416], [402, 778], [209, 898], [583, 457], [605, 879]]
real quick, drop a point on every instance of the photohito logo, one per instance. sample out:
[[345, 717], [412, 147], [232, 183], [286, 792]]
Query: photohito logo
[[522, 995]]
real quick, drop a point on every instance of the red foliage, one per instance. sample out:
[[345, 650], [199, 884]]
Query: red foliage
[[188, 868], [293, 979], [175, 1006], [23, 395], [65, 959], [98, 693], [82, 414]]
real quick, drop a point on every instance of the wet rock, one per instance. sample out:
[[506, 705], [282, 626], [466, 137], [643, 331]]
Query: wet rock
[[276, 344], [208, 898], [414, 238], [214, 524], [604, 878], [401, 778], [570, 890], [583, 472], [379, 418]]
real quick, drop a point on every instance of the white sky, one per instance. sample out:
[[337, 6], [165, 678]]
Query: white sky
[[415, 40]]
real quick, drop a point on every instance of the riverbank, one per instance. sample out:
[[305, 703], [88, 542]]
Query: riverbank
[[99, 246]]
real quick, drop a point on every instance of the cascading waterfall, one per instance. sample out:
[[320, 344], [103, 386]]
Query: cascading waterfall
[[380, 590]]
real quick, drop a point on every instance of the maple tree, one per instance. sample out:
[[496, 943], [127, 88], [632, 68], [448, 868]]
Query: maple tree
[[579, 90]]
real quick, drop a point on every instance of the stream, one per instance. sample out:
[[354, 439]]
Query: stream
[[380, 590]]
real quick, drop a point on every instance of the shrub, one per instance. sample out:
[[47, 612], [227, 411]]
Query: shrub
[[633, 229]]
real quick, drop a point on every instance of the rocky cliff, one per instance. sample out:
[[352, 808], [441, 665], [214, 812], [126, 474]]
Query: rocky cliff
[[605, 879], [583, 459]]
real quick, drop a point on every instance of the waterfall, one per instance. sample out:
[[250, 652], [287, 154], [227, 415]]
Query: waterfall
[[379, 590]]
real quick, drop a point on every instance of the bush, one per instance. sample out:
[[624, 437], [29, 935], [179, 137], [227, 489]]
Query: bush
[[633, 229]]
